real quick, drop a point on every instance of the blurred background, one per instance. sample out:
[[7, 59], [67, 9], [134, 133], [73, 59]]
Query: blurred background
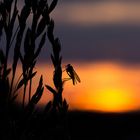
[[101, 39]]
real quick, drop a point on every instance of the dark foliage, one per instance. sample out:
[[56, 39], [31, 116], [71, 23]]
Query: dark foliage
[[25, 122]]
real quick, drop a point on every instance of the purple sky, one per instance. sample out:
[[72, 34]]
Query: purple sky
[[98, 30]]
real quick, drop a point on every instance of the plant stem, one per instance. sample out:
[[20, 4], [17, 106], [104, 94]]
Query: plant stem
[[11, 87], [30, 89], [24, 93], [14, 36]]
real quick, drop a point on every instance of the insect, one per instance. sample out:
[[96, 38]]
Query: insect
[[72, 74]]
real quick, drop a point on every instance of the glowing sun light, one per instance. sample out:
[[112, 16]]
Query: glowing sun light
[[112, 100]]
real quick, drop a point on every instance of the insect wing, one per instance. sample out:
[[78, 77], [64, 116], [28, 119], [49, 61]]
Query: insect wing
[[76, 76], [72, 74]]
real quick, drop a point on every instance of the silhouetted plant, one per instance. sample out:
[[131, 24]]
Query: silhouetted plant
[[41, 24]]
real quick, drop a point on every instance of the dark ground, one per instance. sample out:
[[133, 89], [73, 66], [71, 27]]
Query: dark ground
[[78, 125], [103, 126]]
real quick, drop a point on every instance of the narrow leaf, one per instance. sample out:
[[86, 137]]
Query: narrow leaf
[[24, 15], [2, 57], [57, 45], [24, 81], [8, 72], [38, 94], [14, 98], [14, 16], [27, 41], [40, 45], [20, 84], [41, 26], [17, 53], [48, 106], [50, 31], [51, 89], [65, 105], [1, 28], [53, 5], [53, 60]]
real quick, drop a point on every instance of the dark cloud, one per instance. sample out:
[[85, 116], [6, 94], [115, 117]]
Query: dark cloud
[[97, 43], [118, 42], [92, 43]]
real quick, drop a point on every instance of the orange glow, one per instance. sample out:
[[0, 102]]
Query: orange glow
[[112, 100], [106, 87], [98, 13]]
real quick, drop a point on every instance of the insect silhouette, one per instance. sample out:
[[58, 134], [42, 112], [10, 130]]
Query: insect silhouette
[[72, 74]]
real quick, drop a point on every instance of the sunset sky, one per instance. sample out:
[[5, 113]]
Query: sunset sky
[[101, 39]]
